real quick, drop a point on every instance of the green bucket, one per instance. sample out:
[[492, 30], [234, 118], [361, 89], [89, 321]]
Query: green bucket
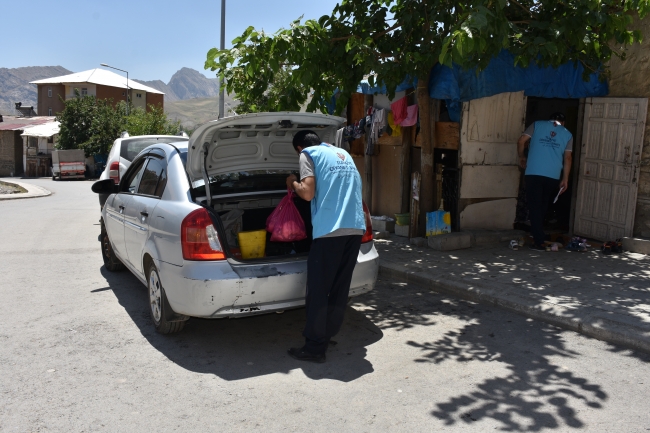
[[403, 219]]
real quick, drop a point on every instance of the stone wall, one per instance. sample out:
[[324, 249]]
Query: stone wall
[[631, 78], [11, 150]]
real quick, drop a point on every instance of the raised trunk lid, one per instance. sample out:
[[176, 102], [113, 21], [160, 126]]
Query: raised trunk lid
[[259, 141]]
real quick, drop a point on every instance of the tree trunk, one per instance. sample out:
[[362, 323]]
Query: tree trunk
[[428, 116]]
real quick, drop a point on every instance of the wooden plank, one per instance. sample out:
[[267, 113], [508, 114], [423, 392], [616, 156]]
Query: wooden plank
[[474, 153], [489, 181], [447, 135], [388, 140], [367, 162], [489, 215], [415, 205]]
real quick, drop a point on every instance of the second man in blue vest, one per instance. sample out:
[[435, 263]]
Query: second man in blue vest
[[330, 181], [547, 166]]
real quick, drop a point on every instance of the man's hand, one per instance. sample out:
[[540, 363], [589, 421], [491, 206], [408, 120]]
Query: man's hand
[[564, 184], [290, 180], [522, 162]]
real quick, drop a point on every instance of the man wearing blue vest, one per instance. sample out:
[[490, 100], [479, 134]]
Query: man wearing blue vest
[[330, 181], [547, 168]]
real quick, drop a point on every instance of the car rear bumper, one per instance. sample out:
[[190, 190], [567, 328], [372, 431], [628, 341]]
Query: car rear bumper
[[233, 289]]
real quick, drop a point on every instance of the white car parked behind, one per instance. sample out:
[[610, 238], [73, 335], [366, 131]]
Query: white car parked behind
[[126, 148]]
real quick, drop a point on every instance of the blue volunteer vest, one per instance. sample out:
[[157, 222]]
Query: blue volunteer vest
[[337, 203], [547, 146]]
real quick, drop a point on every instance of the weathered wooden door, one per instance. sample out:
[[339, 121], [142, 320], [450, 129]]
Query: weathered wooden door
[[490, 174], [609, 167]]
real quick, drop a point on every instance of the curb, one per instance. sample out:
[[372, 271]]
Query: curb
[[601, 324], [33, 191]]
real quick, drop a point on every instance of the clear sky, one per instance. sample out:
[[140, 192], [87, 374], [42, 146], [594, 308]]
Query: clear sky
[[150, 39]]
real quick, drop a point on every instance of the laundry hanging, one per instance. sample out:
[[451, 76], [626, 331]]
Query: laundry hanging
[[399, 110], [411, 116]]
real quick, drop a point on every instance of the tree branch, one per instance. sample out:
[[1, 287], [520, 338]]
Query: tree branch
[[523, 7], [375, 36]]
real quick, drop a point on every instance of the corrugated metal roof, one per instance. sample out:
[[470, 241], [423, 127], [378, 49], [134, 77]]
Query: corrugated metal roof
[[18, 123], [98, 76], [44, 130]]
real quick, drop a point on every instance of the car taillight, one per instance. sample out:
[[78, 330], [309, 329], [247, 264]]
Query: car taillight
[[114, 171], [199, 238], [367, 236]]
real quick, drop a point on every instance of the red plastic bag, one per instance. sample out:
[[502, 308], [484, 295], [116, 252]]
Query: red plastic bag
[[285, 223]]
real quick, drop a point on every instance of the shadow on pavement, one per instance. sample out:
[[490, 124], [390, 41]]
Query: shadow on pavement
[[583, 284], [532, 395], [235, 349]]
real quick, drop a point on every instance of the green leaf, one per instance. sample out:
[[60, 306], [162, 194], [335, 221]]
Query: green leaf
[[305, 78], [478, 20]]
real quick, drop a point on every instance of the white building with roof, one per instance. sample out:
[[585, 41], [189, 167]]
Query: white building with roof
[[103, 84]]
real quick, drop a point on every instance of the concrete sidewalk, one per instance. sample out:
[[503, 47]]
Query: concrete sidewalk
[[33, 191], [605, 297]]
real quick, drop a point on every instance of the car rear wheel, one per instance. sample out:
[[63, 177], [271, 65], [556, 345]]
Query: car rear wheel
[[111, 262], [158, 304]]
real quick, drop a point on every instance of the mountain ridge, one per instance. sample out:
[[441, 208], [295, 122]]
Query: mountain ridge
[[185, 84], [15, 87]]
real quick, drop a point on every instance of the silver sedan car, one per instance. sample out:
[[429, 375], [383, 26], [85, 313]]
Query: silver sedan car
[[174, 217]]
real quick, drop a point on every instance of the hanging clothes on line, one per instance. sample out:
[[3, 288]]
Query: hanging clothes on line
[[399, 110], [396, 130], [378, 123], [411, 116], [338, 140]]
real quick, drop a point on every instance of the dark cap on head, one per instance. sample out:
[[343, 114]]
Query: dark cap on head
[[558, 116], [305, 138]]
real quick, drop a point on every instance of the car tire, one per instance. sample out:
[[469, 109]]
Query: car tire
[[158, 304], [111, 262]]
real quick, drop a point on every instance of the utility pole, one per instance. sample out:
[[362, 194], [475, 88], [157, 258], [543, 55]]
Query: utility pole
[[222, 46], [127, 83]]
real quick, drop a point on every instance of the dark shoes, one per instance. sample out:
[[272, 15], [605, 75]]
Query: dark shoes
[[537, 247], [301, 355]]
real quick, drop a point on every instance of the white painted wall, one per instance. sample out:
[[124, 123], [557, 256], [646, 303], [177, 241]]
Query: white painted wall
[[138, 101]]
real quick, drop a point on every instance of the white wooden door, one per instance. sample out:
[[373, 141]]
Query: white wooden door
[[612, 140]]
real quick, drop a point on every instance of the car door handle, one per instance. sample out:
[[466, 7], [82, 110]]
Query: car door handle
[[144, 213]]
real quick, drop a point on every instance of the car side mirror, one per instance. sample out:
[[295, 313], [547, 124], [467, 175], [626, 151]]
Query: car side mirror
[[106, 186]]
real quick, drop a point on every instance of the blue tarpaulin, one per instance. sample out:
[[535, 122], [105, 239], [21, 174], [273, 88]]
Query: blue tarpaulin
[[456, 85]]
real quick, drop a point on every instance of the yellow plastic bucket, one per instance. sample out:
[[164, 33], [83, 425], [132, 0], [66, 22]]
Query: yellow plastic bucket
[[403, 219], [252, 244]]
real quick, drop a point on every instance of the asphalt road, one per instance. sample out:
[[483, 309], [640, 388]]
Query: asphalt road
[[78, 353]]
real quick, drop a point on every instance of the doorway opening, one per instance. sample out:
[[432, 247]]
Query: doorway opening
[[558, 216]]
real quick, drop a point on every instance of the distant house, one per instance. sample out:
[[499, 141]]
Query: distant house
[[15, 149], [100, 83], [38, 144]]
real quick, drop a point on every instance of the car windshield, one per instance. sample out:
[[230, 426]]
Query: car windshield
[[244, 182]]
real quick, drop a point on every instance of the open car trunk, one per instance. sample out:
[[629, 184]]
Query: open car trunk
[[238, 168], [250, 213]]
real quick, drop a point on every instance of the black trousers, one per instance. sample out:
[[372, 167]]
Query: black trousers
[[329, 274], [540, 190]]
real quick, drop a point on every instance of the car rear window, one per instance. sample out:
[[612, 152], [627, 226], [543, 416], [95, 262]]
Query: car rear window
[[245, 182], [132, 146]]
